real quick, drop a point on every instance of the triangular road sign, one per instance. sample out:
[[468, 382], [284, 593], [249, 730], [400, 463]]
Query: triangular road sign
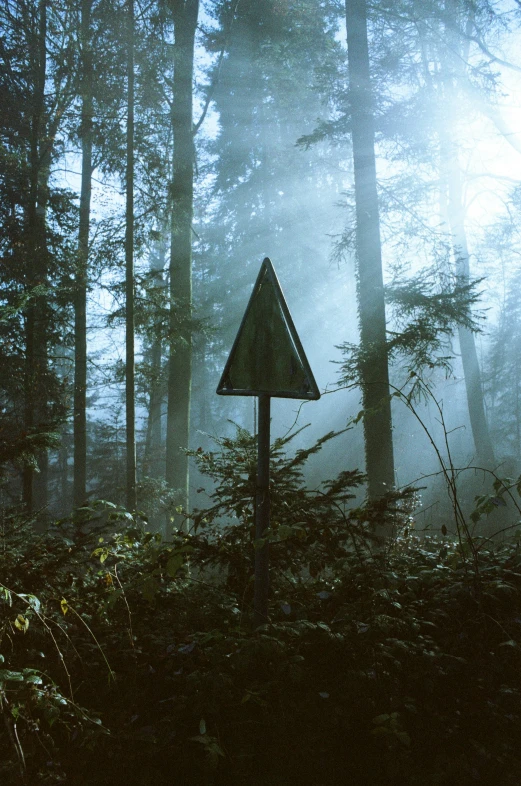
[[267, 356]]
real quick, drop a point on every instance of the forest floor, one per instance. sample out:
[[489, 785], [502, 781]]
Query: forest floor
[[122, 664]]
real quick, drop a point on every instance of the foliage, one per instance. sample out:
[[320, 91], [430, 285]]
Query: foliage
[[425, 312], [395, 668], [503, 380]]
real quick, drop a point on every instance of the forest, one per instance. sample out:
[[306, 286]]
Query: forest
[[152, 154]]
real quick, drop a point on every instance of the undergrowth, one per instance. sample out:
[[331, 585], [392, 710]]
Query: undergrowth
[[131, 660]]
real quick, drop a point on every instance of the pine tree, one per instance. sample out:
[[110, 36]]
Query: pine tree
[[374, 362], [80, 298], [184, 17], [38, 87], [129, 274]]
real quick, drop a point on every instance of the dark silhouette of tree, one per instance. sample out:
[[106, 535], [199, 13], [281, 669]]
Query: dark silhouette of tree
[[81, 278], [129, 274], [373, 357], [184, 16]]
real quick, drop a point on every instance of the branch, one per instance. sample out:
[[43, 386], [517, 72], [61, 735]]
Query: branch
[[493, 58], [215, 79]]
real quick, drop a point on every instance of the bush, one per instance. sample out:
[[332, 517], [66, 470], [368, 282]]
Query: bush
[[400, 667]]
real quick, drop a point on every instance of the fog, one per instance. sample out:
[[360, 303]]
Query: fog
[[273, 176]]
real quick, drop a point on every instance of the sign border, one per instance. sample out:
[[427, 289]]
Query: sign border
[[222, 390]]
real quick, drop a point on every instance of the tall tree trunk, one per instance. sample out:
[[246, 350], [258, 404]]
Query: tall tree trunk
[[469, 355], [374, 359], [153, 459], [36, 263], [80, 298], [452, 68], [129, 275], [185, 13]]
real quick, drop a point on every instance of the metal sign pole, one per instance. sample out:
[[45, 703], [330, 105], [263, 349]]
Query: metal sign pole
[[262, 512], [267, 361]]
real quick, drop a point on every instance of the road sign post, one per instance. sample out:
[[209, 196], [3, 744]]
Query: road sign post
[[267, 360], [262, 513]]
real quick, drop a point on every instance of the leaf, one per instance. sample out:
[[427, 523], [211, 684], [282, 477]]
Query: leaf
[[32, 601], [149, 588], [214, 749], [7, 595], [102, 553], [32, 677], [22, 623], [381, 719], [174, 563], [64, 606], [284, 532], [11, 676], [403, 737], [202, 726], [113, 596]]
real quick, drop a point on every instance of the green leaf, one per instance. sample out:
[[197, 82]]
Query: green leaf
[[113, 596], [11, 676], [102, 553], [7, 595], [32, 601], [403, 737], [32, 676], [149, 588], [22, 623], [174, 563], [381, 719]]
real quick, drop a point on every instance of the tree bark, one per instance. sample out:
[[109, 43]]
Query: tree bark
[[35, 495], [453, 68], [129, 276], [153, 460], [185, 13], [80, 299], [374, 370], [469, 355]]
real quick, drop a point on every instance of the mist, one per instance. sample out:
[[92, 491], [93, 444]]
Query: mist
[[274, 98], [260, 392]]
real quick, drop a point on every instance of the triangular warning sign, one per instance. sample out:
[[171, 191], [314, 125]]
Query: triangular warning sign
[[267, 356]]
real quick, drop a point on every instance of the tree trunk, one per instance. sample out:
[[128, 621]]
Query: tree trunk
[[80, 299], [129, 275], [152, 464], [469, 355], [35, 494], [185, 13], [453, 67], [374, 359]]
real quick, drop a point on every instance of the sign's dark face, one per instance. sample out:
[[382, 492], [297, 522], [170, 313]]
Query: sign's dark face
[[267, 357]]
